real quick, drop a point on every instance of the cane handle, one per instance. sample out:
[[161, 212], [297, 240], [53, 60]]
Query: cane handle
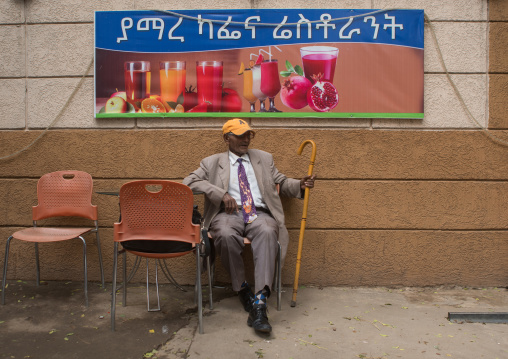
[[312, 156]]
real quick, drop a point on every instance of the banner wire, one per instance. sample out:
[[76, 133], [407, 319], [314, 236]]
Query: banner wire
[[271, 24], [57, 116], [471, 117]]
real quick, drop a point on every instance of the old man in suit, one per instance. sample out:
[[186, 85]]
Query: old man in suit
[[241, 200]]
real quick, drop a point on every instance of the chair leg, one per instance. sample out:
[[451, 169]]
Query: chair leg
[[169, 276], [279, 278], [113, 294], [210, 286], [156, 286], [212, 274], [100, 255], [125, 280], [37, 267], [198, 285], [84, 270], [4, 278]]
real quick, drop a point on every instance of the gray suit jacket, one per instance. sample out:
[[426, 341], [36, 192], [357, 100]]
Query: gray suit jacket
[[212, 178]]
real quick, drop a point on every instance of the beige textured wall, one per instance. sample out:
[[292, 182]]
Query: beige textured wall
[[399, 202]]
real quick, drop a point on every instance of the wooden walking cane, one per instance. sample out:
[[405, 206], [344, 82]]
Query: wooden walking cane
[[304, 217]]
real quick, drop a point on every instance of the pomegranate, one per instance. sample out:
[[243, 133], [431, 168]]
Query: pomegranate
[[322, 96], [294, 92]]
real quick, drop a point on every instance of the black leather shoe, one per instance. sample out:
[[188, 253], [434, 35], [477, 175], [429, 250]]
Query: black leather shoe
[[258, 319], [247, 298]]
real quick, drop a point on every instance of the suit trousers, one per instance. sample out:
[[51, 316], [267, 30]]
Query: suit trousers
[[228, 231]]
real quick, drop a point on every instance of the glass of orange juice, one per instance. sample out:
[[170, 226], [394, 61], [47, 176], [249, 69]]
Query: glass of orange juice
[[247, 89], [172, 79]]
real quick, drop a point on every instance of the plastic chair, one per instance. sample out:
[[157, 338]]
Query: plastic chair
[[59, 194], [158, 210]]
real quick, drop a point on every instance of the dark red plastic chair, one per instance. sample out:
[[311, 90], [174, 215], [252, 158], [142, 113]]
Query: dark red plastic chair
[[158, 210]]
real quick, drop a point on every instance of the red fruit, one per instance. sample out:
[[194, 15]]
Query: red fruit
[[322, 96], [294, 92], [190, 98], [202, 107], [259, 60], [231, 101]]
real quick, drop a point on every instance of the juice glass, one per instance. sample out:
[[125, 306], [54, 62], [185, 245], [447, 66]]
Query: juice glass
[[270, 83], [319, 60], [137, 79], [209, 82], [256, 87], [247, 89], [172, 79]]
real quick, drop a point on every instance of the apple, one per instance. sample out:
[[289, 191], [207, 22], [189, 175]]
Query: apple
[[231, 101], [116, 104], [121, 94]]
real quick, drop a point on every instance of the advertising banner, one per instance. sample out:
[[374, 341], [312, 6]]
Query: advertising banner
[[259, 63]]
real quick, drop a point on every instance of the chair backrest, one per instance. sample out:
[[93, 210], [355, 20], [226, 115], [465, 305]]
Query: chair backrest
[[65, 193], [164, 213]]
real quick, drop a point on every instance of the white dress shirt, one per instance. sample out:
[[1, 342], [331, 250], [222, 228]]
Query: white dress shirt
[[234, 187]]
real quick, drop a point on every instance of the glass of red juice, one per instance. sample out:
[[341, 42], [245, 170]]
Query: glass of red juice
[[137, 80], [209, 82], [319, 60], [270, 83]]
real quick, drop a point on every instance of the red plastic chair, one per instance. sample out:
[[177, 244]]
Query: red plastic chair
[[59, 194], [157, 210]]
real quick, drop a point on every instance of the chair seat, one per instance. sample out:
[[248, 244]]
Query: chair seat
[[42, 234], [158, 255]]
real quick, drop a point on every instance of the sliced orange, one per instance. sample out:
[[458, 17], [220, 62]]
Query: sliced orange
[[151, 105], [179, 108], [156, 97]]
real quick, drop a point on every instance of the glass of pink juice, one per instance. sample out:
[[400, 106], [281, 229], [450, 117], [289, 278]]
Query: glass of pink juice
[[137, 79], [256, 87], [172, 79], [319, 60], [270, 83], [209, 82]]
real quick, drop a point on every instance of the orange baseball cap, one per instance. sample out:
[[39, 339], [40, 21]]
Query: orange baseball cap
[[236, 126]]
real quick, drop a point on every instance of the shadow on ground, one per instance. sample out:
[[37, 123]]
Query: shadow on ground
[[52, 321]]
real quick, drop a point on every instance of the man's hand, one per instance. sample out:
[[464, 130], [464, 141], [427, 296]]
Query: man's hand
[[307, 182], [230, 205]]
